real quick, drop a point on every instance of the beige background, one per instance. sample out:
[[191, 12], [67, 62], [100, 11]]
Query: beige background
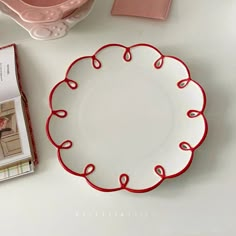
[[200, 202]]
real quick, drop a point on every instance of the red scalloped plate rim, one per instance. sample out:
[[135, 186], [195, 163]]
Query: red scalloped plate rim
[[192, 149]]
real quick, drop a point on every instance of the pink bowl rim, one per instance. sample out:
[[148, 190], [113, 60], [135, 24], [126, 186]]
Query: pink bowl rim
[[38, 14]]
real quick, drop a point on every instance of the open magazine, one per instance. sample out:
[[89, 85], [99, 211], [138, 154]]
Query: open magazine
[[17, 149]]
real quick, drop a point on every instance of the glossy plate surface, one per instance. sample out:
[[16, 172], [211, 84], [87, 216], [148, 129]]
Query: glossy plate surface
[[127, 118]]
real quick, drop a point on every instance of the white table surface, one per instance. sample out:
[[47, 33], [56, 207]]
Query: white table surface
[[201, 201]]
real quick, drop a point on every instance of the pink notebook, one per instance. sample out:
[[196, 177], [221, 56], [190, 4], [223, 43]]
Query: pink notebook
[[157, 9]]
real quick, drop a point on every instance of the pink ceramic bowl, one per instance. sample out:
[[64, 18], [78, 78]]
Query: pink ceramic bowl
[[41, 11], [51, 30]]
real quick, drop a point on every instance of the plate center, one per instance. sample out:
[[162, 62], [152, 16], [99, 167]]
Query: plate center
[[125, 118]]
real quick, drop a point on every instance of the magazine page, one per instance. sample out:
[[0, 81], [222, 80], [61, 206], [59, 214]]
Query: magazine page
[[15, 170], [14, 140], [8, 76]]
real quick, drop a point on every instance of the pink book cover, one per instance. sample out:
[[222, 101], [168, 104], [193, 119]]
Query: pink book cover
[[156, 9]]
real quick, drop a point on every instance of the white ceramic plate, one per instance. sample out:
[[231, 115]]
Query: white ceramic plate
[[127, 118], [54, 30]]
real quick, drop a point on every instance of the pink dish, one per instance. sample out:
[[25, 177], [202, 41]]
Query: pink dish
[[51, 30], [41, 11]]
